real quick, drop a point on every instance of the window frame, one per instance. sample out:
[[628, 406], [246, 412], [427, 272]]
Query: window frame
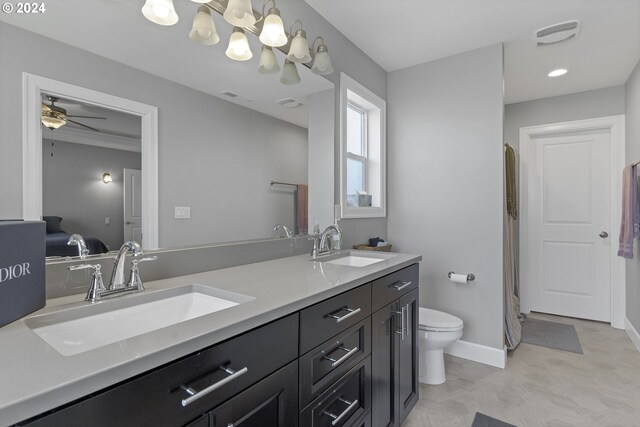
[[365, 144]]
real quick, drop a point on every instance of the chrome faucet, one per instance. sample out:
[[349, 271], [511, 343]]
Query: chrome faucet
[[77, 239], [284, 228], [321, 241], [117, 277]]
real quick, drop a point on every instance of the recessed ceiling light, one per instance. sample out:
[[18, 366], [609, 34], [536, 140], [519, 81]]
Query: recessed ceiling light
[[558, 72]]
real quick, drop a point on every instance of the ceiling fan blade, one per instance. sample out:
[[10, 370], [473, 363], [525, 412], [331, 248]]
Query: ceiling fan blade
[[88, 117], [83, 125]]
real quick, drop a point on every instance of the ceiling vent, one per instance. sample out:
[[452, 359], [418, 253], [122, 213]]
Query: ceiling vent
[[235, 96], [290, 102], [557, 33]]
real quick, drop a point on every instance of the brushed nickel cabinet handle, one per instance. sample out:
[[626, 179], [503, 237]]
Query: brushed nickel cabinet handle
[[341, 360], [400, 285], [195, 395], [351, 312], [338, 418]]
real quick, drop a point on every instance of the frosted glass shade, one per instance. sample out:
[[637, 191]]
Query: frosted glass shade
[[203, 30], [160, 12], [239, 49], [268, 62], [53, 122], [322, 64], [299, 50], [201, 1], [273, 30], [239, 13], [290, 74]]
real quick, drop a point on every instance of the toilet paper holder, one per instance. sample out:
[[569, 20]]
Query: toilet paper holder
[[470, 277]]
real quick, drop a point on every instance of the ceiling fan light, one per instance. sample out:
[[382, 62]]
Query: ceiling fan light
[[239, 13], [160, 12], [203, 30], [273, 29], [322, 63], [290, 74], [53, 122], [299, 50], [268, 62], [239, 49]]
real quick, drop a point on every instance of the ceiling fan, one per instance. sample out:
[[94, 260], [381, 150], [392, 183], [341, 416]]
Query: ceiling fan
[[54, 117]]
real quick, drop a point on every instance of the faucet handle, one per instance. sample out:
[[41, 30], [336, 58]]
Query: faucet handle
[[149, 258], [97, 285], [96, 267], [134, 277]]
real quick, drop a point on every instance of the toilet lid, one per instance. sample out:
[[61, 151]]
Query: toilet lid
[[438, 320]]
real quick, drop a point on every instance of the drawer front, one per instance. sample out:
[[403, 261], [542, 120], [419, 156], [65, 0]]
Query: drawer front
[[345, 403], [389, 288], [323, 365], [320, 322], [203, 421], [364, 421], [159, 397]]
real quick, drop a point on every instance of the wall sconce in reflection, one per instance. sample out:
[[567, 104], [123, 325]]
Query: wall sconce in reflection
[[106, 177]]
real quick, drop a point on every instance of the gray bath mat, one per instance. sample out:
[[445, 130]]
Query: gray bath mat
[[482, 420], [556, 335]]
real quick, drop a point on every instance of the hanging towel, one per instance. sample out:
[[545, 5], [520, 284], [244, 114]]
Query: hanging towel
[[302, 212], [510, 175], [630, 223]]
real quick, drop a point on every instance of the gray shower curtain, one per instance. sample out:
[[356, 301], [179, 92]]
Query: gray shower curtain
[[512, 326]]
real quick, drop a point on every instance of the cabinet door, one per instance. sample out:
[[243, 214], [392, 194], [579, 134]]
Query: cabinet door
[[384, 342], [407, 361], [273, 402]]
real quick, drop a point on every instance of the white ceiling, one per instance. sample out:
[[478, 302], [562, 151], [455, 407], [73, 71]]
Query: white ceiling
[[401, 33], [117, 30]]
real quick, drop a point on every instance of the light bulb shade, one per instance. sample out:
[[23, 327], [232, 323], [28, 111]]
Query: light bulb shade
[[239, 49], [52, 121], [299, 50], [106, 178], [322, 63], [201, 1], [273, 30], [203, 30], [239, 13], [290, 74], [160, 12], [268, 62]]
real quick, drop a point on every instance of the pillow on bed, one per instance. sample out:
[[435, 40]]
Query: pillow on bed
[[53, 224]]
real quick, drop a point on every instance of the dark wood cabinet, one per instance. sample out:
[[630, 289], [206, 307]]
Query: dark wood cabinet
[[408, 385]]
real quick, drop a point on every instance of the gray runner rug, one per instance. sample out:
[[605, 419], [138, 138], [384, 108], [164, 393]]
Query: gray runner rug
[[482, 420], [556, 335]]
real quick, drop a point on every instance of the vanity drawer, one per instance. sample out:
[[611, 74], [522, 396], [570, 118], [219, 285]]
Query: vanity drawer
[[323, 365], [320, 322], [159, 397], [345, 403], [389, 288]]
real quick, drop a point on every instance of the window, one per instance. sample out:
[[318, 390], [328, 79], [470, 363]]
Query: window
[[362, 151]]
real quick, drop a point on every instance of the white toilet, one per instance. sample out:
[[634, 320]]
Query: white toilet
[[437, 330]]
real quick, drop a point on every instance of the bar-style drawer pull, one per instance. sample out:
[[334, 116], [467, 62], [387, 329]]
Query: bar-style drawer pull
[[343, 358], [195, 395], [338, 418], [399, 285], [350, 313]]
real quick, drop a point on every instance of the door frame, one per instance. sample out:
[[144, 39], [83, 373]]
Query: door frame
[[32, 87], [616, 126]]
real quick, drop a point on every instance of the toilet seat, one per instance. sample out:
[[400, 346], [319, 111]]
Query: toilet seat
[[438, 321]]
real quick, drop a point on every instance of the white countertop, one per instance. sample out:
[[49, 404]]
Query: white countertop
[[35, 378]]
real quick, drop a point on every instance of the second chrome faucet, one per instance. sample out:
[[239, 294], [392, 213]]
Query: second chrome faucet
[[321, 245]]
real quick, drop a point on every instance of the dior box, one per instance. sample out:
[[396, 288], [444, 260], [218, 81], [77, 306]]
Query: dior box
[[22, 276]]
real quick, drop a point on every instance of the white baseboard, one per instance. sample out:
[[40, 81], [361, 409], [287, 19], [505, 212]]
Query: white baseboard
[[478, 353], [632, 332]]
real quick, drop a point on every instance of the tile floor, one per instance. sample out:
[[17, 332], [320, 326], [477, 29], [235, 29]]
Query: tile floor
[[542, 386]]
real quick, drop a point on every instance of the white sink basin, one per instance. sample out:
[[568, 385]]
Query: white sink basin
[[86, 328], [355, 261]]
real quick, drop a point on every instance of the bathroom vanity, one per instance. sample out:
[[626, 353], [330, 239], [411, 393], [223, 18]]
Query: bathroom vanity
[[311, 343]]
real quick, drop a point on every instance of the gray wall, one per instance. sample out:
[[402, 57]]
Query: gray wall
[[633, 155], [72, 188], [576, 106], [445, 168]]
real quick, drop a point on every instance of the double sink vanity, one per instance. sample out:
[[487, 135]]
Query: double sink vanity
[[287, 342]]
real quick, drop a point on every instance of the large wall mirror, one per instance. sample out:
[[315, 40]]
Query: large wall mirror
[[208, 150]]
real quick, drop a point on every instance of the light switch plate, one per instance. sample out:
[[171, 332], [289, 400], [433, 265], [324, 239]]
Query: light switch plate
[[182, 212]]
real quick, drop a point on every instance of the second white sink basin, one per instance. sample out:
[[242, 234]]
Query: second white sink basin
[[355, 261], [86, 328]]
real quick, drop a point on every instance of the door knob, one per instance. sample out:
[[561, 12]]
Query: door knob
[[604, 234], [129, 222]]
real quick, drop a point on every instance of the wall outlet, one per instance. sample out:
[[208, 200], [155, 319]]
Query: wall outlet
[[182, 212], [107, 220]]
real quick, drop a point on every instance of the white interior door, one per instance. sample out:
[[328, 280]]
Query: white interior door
[[570, 221], [133, 205]]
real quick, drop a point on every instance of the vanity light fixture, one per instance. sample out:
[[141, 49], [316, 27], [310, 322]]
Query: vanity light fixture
[[557, 73], [322, 62], [272, 29], [239, 49], [290, 74], [160, 12], [52, 121], [203, 30], [268, 62], [299, 50], [239, 13], [106, 178]]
